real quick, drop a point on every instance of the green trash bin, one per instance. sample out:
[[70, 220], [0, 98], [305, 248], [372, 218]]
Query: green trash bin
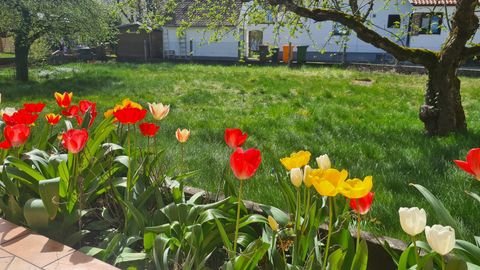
[[275, 51], [263, 53], [302, 54]]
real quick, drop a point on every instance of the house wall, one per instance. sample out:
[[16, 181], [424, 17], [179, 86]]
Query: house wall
[[198, 37], [434, 42], [319, 37], [325, 47]]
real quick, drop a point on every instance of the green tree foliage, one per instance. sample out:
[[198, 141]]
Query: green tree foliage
[[83, 21]]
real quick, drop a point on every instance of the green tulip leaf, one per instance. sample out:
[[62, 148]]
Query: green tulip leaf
[[360, 261], [456, 264], [473, 195], [11, 188], [335, 260], [35, 214], [49, 192], [442, 214], [468, 250]]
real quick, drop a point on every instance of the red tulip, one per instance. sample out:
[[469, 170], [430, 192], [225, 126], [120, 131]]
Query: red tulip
[[362, 205], [91, 107], [130, 115], [21, 116], [34, 107], [472, 165], [52, 118], [74, 140], [5, 145], [149, 129], [234, 137], [63, 100], [17, 134], [244, 164], [71, 111]]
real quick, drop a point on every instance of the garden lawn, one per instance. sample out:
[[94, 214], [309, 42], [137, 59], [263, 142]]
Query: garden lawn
[[7, 55], [368, 130]]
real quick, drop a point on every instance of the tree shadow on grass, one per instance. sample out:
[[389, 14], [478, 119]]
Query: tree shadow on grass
[[81, 83]]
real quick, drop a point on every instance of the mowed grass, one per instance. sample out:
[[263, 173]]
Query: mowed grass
[[368, 130]]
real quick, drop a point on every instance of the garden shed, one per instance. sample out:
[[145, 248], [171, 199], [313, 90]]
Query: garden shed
[[136, 44]]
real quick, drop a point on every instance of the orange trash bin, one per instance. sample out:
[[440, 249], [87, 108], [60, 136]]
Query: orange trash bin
[[287, 53]]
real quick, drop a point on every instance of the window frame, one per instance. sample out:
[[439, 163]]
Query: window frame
[[392, 19]]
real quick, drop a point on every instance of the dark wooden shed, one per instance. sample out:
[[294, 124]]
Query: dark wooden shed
[[135, 44]]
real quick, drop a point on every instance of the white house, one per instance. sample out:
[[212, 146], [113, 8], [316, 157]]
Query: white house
[[327, 41], [413, 23], [196, 42]]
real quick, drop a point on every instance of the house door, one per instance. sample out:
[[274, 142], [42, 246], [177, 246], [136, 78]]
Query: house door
[[255, 39]]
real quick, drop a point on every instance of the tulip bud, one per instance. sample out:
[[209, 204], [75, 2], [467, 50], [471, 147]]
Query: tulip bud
[[296, 176], [273, 223], [306, 181], [324, 162], [441, 239], [413, 220]]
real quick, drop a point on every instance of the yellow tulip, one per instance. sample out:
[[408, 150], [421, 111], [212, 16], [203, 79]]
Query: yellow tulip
[[356, 188], [127, 103], [296, 160], [328, 182]]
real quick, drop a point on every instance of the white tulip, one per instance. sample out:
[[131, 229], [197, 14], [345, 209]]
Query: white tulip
[[413, 220], [324, 162], [296, 176], [306, 171], [8, 111], [440, 238]]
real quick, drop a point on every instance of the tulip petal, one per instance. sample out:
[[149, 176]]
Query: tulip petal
[[473, 159], [464, 166]]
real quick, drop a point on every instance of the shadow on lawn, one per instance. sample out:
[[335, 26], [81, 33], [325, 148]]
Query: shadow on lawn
[[81, 84]]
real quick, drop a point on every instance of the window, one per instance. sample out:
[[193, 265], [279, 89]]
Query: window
[[394, 21], [339, 30], [428, 23]]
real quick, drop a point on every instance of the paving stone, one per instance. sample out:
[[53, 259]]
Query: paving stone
[[79, 261], [36, 249], [9, 231]]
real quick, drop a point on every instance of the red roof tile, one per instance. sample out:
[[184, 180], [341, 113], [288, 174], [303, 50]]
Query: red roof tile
[[433, 2]]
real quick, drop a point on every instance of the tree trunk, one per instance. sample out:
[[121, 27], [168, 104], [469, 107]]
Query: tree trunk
[[443, 112], [22, 48]]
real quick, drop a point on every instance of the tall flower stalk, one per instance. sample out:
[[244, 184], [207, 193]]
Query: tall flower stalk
[[244, 164]]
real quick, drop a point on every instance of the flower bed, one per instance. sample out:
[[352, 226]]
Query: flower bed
[[92, 183]]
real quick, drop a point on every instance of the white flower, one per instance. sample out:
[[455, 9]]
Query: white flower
[[413, 220], [158, 110], [324, 162], [306, 171], [8, 111], [296, 176], [440, 238]]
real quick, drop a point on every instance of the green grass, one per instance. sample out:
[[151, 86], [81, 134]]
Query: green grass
[[369, 130], [7, 55]]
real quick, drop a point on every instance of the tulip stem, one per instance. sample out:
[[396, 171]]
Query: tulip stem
[[237, 223], [129, 180], [330, 225], [414, 241], [297, 225], [358, 231], [443, 262]]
